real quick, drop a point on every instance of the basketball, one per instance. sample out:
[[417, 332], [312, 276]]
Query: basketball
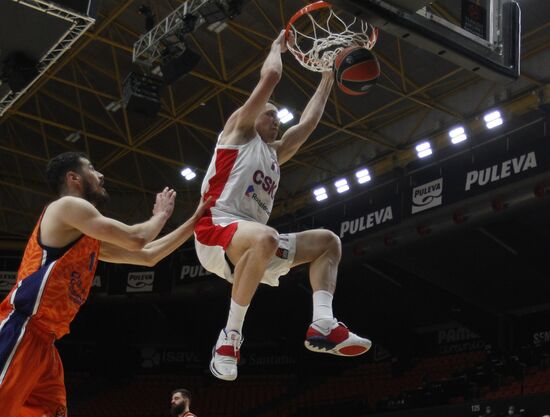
[[356, 70]]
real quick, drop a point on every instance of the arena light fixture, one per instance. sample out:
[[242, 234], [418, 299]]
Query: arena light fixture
[[188, 173], [458, 134], [114, 106], [73, 137], [363, 176], [320, 193], [423, 149], [217, 27], [285, 115], [341, 185], [493, 119]]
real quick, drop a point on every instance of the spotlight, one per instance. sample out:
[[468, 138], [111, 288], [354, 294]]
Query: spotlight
[[341, 185], [73, 137], [320, 193], [493, 119], [188, 173], [217, 27], [114, 106], [363, 176], [457, 135], [424, 149], [285, 115]]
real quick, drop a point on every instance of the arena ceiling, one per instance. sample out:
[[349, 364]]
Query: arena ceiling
[[417, 95]]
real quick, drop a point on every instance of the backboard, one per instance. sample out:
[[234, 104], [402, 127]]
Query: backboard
[[483, 36]]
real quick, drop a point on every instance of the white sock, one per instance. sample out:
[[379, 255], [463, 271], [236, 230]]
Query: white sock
[[322, 308], [235, 320]]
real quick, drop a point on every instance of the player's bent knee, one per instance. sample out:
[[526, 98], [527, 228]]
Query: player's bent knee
[[267, 242], [333, 243]]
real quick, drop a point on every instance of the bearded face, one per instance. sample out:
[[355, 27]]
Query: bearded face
[[177, 409], [97, 195]]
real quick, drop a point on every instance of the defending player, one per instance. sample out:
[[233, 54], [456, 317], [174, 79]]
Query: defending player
[[55, 277]]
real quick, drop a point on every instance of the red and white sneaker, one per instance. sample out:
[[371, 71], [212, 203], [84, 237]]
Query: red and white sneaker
[[337, 340], [226, 355]]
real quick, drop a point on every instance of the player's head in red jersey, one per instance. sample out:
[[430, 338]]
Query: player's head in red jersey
[[180, 402]]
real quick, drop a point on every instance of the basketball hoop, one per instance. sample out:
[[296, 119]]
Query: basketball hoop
[[328, 35]]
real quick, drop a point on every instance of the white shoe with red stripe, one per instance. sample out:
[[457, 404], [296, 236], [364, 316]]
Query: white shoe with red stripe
[[336, 339], [226, 355]]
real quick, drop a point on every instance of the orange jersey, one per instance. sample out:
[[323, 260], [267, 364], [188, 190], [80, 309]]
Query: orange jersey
[[49, 289]]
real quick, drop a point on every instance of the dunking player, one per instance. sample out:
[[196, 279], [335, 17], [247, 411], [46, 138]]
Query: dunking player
[[241, 181], [55, 277]]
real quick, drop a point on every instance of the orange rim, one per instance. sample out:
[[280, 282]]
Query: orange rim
[[304, 10]]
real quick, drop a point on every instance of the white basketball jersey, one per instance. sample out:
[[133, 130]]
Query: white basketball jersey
[[242, 181]]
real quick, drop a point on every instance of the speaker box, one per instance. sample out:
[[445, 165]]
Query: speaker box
[[174, 68], [18, 71], [141, 94]]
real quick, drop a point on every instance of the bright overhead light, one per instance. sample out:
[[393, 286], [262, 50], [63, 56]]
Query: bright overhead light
[[114, 106], [494, 123], [457, 135], [188, 174], [489, 117], [320, 193], [157, 71], [73, 137], [493, 119], [341, 185], [363, 176], [216, 27], [424, 149], [285, 115]]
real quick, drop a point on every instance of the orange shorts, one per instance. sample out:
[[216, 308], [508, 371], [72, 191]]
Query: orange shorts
[[31, 373]]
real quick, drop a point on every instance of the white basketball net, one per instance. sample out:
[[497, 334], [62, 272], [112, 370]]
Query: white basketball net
[[318, 50]]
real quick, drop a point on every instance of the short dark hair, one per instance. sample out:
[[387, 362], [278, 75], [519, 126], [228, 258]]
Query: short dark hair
[[184, 393], [59, 166]]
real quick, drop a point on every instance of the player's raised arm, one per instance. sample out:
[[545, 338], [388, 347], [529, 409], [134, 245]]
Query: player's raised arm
[[80, 214], [243, 120], [294, 137], [156, 250]]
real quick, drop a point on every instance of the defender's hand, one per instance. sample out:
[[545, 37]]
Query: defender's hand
[[201, 208], [164, 203]]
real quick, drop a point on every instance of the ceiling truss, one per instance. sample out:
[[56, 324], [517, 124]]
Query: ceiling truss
[[78, 73]]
